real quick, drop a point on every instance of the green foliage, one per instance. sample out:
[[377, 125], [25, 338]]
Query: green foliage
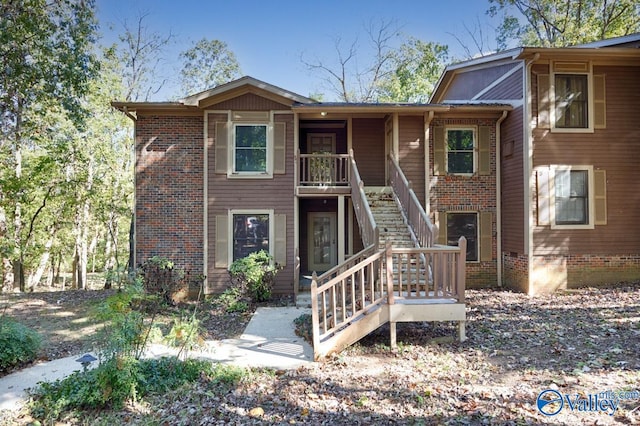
[[161, 277], [417, 65], [254, 275], [551, 23], [304, 327], [232, 300], [125, 331], [18, 343], [120, 380], [185, 333], [207, 64]]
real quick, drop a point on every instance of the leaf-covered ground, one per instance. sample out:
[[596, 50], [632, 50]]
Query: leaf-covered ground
[[578, 342]]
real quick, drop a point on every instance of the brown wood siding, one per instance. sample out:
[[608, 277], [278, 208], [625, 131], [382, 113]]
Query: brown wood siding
[[274, 194], [616, 150], [249, 102], [468, 84], [512, 182], [368, 148], [511, 88], [411, 153]]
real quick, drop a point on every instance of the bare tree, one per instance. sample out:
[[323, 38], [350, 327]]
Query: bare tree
[[347, 79]]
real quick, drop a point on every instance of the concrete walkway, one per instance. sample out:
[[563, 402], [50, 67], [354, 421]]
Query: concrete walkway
[[268, 341]]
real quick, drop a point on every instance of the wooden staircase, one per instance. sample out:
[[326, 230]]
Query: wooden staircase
[[388, 217]]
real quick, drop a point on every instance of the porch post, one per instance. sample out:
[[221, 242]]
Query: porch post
[[341, 228]]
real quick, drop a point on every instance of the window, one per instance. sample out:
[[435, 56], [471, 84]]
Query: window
[[460, 151], [464, 225], [572, 197], [571, 101], [250, 148], [250, 233]]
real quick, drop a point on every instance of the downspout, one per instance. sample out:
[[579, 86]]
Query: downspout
[[134, 237], [528, 166], [205, 204], [427, 182], [499, 197]]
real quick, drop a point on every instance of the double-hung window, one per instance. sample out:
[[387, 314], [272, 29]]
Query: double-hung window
[[572, 196], [571, 101], [460, 143], [250, 148]]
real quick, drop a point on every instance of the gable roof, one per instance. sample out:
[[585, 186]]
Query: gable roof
[[625, 47], [247, 83], [218, 94]]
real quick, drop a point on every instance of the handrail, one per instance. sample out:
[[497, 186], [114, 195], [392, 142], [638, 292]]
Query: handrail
[[392, 275], [322, 169], [426, 232], [368, 228]]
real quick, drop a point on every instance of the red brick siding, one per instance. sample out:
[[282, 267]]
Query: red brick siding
[[474, 194], [169, 190]]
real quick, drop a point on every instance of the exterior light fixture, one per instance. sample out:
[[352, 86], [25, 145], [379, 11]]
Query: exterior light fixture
[[323, 113], [85, 360]]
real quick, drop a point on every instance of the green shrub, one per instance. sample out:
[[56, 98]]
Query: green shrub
[[304, 327], [18, 343], [120, 380], [161, 277], [185, 333], [232, 300], [254, 275]]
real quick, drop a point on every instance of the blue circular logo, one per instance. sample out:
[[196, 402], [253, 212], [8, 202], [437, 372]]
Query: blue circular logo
[[550, 402]]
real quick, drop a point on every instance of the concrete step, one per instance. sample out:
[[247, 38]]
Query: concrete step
[[303, 299]]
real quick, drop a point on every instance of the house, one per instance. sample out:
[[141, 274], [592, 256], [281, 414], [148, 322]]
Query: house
[[531, 154], [248, 166], [568, 160]]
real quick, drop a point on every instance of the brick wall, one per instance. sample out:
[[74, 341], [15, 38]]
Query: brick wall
[[476, 193], [169, 190], [515, 271]]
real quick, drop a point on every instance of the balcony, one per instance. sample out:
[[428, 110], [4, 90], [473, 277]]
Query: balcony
[[322, 173]]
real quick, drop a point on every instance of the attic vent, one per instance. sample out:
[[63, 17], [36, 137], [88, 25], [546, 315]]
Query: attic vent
[[253, 116], [570, 66]]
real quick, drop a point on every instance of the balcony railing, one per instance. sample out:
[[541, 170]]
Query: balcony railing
[[324, 169]]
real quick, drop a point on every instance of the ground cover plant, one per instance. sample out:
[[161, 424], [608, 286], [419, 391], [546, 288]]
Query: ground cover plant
[[577, 342]]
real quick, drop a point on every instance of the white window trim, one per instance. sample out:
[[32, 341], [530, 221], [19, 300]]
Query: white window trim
[[552, 195], [477, 213], [254, 212], [590, 105], [268, 173], [474, 129]]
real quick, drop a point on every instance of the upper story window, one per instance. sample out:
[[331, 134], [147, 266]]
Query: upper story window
[[250, 148], [460, 151], [571, 101], [571, 98]]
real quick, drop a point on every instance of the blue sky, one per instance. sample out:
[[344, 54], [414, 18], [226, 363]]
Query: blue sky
[[269, 37]]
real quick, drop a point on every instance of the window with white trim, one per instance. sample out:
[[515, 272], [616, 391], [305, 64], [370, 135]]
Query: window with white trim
[[572, 197], [250, 148], [461, 149], [571, 101], [250, 232]]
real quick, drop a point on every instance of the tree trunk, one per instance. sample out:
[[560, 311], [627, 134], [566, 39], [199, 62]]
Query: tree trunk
[[34, 278], [7, 268], [132, 246]]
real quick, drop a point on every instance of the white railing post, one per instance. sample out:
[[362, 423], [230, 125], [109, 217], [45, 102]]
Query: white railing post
[[462, 269], [315, 320]]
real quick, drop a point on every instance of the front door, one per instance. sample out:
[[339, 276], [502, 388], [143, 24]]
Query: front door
[[322, 238]]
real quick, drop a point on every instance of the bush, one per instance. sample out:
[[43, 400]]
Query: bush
[[232, 300], [161, 277], [254, 275], [18, 343], [120, 380]]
